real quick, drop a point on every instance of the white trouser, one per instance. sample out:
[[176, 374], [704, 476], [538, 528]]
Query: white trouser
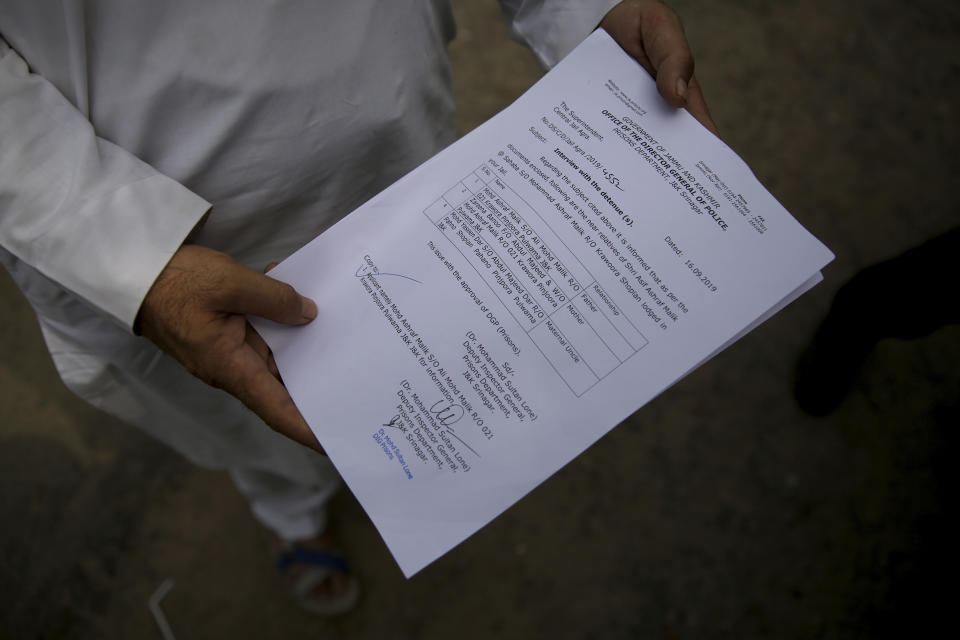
[[286, 483], [293, 511]]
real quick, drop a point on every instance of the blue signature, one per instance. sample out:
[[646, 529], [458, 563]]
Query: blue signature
[[365, 271]]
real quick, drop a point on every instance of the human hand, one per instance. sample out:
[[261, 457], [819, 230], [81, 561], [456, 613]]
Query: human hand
[[195, 311], [650, 32]]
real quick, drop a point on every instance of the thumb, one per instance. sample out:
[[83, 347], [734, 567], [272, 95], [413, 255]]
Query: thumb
[[669, 53], [673, 78], [255, 294]]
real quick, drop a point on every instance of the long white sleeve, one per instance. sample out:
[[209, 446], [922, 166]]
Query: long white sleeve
[[80, 210], [552, 28], [101, 223]]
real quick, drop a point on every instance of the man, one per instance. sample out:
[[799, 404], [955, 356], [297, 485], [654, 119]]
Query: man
[[156, 155]]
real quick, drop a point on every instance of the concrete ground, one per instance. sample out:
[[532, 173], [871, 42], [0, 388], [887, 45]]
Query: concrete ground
[[719, 510]]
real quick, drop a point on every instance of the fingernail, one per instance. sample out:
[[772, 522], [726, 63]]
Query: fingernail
[[308, 308], [682, 89]]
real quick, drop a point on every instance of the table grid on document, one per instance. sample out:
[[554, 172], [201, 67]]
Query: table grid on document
[[570, 318]]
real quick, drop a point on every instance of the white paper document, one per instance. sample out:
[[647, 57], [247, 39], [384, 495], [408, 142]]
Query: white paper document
[[496, 311]]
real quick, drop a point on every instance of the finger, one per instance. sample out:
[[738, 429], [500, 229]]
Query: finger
[[249, 292], [261, 348], [249, 380], [623, 23], [273, 368], [666, 47], [697, 106], [270, 266]]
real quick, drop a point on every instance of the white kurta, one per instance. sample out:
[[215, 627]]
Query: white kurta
[[124, 122]]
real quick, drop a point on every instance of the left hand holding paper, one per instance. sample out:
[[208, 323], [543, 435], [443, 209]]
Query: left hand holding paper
[[651, 33], [196, 311]]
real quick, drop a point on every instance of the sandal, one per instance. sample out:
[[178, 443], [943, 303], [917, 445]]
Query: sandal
[[318, 567]]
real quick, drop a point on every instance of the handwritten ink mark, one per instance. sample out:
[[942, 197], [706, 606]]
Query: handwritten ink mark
[[365, 271], [463, 443], [447, 414], [393, 423]]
